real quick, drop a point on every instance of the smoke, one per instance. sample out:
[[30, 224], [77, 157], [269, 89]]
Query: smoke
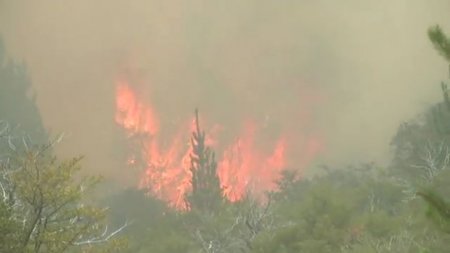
[[349, 71]]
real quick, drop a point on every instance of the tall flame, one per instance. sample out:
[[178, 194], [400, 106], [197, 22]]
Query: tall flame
[[243, 167]]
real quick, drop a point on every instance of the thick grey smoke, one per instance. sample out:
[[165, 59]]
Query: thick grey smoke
[[357, 68]]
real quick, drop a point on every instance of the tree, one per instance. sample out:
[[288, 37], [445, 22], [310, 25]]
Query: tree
[[423, 154], [52, 207], [217, 225], [439, 208], [206, 193], [421, 145], [18, 100]]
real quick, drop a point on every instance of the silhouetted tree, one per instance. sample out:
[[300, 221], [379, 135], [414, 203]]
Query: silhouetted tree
[[17, 100], [206, 191]]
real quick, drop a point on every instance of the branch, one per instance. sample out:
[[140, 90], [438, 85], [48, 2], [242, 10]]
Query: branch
[[435, 158], [440, 41], [103, 237], [5, 197]]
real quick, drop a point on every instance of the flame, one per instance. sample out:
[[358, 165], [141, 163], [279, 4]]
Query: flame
[[167, 172], [133, 115], [244, 167]]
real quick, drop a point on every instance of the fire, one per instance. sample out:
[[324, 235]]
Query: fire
[[133, 115], [167, 173], [243, 166]]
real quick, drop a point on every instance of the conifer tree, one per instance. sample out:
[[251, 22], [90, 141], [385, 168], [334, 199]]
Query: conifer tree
[[439, 208], [206, 192], [427, 136]]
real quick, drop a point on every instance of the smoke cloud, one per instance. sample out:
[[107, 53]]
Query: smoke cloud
[[348, 71]]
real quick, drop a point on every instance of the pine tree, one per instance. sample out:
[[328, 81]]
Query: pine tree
[[427, 135], [439, 208], [440, 41], [206, 192]]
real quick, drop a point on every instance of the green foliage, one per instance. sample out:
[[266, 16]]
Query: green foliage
[[421, 145], [439, 209], [51, 205], [326, 214], [45, 205], [9, 227], [440, 41]]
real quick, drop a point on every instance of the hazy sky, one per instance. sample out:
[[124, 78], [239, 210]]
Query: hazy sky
[[355, 68]]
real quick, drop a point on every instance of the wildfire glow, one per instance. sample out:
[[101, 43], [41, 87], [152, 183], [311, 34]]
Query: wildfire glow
[[243, 166]]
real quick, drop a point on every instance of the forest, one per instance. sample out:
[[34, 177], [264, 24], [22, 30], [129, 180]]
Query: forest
[[48, 204]]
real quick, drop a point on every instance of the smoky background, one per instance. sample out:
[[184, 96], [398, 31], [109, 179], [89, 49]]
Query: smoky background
[[348, 72]]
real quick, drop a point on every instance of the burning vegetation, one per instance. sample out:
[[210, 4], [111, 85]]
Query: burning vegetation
[[243, 166]]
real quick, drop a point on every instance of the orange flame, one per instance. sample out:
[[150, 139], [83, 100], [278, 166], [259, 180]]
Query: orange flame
[[133, 115], [243, 168]]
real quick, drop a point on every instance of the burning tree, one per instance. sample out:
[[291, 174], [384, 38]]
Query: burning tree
[[206, 191], [172, 169]]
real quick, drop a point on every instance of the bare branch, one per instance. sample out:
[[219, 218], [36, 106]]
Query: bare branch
[[103, 237], [435, 158]]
